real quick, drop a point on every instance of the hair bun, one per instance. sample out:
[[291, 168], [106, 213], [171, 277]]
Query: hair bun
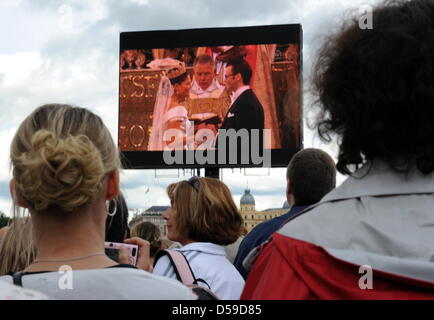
[[64, 172]]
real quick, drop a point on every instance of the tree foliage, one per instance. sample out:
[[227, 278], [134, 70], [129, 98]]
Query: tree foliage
[[4, 220]]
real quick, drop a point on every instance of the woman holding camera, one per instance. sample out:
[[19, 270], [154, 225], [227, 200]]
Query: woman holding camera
[[203, 218], [65, 173]]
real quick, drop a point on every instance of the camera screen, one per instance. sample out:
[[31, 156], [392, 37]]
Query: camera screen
[[112, 254]]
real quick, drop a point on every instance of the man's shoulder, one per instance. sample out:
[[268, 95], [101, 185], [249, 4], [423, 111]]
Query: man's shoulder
[[247, 94], [266, 225], [249, 97], [263, 231]]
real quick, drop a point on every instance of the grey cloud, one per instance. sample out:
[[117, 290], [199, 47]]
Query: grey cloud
[[40, 4], [138, 180], [273, 191], [165, 14], [132, 179], [189, 14], [59, 54], [4, 190], [159, 15]]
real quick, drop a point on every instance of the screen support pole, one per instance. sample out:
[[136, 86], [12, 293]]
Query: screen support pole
[[212, 173]]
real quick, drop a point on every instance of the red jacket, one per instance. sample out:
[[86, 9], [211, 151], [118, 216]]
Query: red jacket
[[291, 269]]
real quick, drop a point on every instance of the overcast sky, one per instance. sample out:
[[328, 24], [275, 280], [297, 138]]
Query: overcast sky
[[67, 51]]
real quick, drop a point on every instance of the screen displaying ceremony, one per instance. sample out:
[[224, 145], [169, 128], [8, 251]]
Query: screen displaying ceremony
[[222, 87], [228, 90]]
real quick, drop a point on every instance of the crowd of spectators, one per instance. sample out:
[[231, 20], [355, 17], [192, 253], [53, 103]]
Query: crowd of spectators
[[375, 94]]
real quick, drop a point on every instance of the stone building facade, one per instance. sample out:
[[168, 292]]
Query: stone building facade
[[155, 215], [252, 217]]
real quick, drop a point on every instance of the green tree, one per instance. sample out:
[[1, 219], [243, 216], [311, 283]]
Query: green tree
[[4, 220]]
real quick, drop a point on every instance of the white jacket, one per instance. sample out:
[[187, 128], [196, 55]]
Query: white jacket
[[208, 262]]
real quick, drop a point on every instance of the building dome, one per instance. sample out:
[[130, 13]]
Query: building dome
[[286, 205], [247, 198]]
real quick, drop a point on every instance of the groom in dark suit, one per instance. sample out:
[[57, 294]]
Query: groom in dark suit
[[246, 111]]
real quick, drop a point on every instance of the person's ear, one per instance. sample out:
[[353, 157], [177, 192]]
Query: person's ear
[[17, 196], [175, 88], [289, 196], [238, 77], [113, 185]]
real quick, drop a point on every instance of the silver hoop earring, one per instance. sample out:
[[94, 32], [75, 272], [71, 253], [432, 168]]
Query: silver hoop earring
[[115, 207]]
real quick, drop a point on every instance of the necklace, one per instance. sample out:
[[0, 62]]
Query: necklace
[[69, 259]]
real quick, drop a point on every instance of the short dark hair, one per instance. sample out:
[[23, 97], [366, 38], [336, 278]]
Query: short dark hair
[[117, 226], [312, 174], [203, 59], [375, 89], [242, 67]]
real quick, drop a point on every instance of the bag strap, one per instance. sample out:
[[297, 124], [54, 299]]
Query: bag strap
[[180, 265], [203, 281], [17, 278]]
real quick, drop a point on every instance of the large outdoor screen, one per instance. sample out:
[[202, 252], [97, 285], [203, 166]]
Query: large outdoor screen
[[220, 97]]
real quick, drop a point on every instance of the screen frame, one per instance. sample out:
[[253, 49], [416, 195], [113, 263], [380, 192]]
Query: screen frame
[[252, 35]]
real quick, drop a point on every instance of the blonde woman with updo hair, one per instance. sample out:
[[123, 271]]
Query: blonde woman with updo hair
[[204, 218], [65, 173]]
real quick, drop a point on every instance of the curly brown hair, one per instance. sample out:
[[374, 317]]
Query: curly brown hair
[[375, 88]]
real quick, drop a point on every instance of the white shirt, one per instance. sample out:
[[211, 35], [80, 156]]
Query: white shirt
[[178, 113], [238, 92], [213, 91], [12, 292], [208, 262], [119, 283]]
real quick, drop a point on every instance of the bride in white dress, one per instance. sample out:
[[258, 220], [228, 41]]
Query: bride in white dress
[[169, 113]]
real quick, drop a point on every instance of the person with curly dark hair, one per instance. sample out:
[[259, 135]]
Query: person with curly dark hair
[[372, 237]]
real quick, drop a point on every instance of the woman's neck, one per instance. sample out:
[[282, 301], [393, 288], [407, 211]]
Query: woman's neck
[[64, 242], [67, 240], [186, 241], [176, 100]]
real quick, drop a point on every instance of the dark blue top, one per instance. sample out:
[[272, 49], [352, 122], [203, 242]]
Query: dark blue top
[[260, 234]]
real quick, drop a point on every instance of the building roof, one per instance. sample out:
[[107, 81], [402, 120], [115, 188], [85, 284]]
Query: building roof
[[156, 209], [247, 198], [286, 205], [272, 209]]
